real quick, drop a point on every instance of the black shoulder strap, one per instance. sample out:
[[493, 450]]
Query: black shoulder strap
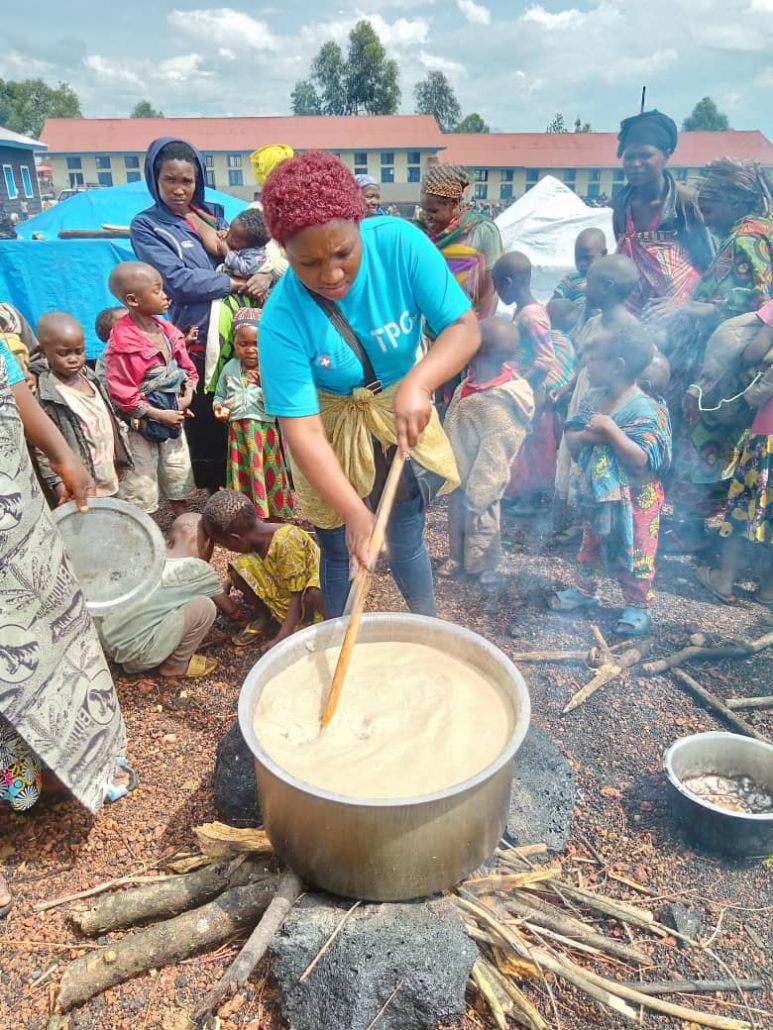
[[350, 338]]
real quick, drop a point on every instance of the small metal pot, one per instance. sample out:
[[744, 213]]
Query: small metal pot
[[724, 754], [401, 848]]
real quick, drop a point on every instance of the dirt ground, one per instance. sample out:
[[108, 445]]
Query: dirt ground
[[615, 743]]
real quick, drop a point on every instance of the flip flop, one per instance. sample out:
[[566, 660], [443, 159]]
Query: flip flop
[[703, 575], [252, 633], [115, 792], [199, 666], [571, 600], [634, 622]]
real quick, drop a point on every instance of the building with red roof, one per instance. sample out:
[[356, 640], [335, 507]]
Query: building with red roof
[[394, 149]]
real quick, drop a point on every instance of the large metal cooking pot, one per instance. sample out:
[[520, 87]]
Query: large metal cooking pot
[[400, 848], [724, 754]]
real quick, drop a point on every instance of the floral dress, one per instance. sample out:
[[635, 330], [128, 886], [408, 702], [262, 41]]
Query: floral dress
[[291, 566]]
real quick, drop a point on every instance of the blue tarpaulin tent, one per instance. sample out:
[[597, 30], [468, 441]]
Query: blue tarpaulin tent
[[71, 275]]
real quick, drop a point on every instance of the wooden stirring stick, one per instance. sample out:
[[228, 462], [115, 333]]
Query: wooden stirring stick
[[359, 589]]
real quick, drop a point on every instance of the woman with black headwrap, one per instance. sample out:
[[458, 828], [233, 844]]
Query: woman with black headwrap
[[657, 222]]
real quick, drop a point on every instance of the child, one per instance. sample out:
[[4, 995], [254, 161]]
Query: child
[[564, 316], [105, 322], [166, 628], [245, 244], [486, 423], [74, 399], [151, 380], [621, 441], [256, 464], [533, 472], [277, 571], [590, 245], [749, 515], [611, 281]]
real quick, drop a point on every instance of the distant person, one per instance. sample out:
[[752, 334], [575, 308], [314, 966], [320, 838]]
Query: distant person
[[371, 195], [621, 441], [7, 227], [486, 422], [657, 221]]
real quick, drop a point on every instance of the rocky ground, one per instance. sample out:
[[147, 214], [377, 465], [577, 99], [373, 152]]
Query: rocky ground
[[615, 743]]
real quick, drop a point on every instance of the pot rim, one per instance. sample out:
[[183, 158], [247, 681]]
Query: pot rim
[[521, 720], [715, 735]]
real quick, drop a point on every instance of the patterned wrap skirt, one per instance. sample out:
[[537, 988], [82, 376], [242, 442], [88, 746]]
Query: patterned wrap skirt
[[256, 467]]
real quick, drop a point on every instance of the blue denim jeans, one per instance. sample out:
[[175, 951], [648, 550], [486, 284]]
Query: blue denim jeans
[[408, 561]]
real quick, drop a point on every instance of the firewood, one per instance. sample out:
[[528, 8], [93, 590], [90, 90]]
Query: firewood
[[162, 944], [238, 973], [611, 907], [736, 703], [694, 986], [609, 671], [734, 649], [162, 900], [717, 706]]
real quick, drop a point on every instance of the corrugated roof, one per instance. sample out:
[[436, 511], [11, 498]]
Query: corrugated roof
[[14, 139], [132, 135], [592, 149]]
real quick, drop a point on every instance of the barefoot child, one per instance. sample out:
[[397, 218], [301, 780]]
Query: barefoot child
[[76, 402], [256, 464], [621, 441], [277, 571], [486, 424], [166, 629], [151, 380]]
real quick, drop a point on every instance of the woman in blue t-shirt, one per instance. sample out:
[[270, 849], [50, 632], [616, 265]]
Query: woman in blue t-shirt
[[339, 354]]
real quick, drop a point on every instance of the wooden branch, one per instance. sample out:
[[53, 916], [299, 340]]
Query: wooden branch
[[238, 973], [736, 703], [162, 944], [734, 649], [120, 881], [716, 706], [693, 986], [544, 914], [550, 656], [162, 900], [613, 908], [609, 671], [481, 977]]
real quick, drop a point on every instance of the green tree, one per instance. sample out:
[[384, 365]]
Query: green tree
[[706, 117], [304, 98], [435, 95], [472, 123], [371, 77], [581, 126], [363, 82], [558, 124], [144, 109], [25, 105]]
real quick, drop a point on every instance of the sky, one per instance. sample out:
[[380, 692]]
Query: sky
[[516, 63]]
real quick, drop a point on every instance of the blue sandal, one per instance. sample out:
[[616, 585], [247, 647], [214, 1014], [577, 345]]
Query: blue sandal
[[634, 622], [570, 600]]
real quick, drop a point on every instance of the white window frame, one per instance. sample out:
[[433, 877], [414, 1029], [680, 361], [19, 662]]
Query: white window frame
[[10, 182], [234, 161], [26, 181]]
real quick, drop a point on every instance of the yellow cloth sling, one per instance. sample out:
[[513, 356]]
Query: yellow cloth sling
[[351, 424]]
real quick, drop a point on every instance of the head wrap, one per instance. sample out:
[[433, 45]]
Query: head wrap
[[246, 316], [265, 159], [741, 182], [651, 128], [448, 181], [365, 180]]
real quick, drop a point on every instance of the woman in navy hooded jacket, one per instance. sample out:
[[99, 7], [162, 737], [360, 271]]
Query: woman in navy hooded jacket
[[176, 236]]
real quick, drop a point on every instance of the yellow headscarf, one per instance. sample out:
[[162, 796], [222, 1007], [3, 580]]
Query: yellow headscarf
[[265, 159]]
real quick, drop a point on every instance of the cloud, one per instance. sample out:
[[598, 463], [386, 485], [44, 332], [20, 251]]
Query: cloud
[[476, 13], [765, 78], [569, 19], [224, 26], [434, 63], [403, 32], [111, 71], [226, 53], [635, 69], [181, 69]]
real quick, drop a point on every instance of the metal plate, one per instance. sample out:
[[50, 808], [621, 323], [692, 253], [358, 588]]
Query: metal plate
[[116, 550]]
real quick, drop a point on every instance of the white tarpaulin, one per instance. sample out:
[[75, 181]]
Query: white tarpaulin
[[543, 224]]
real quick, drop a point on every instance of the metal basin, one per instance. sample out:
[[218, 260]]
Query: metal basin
[[725, 754], [400, 848]]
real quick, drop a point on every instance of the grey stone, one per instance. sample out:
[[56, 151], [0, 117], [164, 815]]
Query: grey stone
[[543, 795], [420, 945], [234, 785], [684, 920]]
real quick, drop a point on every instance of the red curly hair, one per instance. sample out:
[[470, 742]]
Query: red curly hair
[[310, 189]]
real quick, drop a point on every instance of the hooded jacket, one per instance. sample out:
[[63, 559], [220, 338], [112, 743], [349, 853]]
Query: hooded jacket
[[164, 240]]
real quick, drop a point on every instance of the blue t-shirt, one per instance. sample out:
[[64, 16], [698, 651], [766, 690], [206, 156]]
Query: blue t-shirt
[[402, 277], [15, 374]]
